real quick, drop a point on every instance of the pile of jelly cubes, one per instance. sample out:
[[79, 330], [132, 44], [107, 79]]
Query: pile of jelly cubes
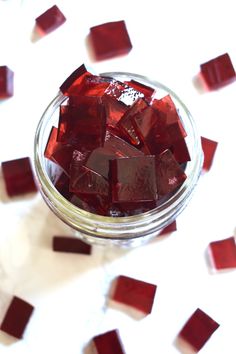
[[121, 150]]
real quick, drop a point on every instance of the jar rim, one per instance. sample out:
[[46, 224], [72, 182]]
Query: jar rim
[[74, 216]]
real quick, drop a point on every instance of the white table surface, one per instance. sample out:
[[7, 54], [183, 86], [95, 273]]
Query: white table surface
[[170, 41]]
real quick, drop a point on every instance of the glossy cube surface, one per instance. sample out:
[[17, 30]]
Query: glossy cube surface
[[6, 82], [110, 39], [108, 343], [18, 176], [70, 245], [17, 317], [50, 20], [209, 148], [218, 72], [198, 329], [223, 253]]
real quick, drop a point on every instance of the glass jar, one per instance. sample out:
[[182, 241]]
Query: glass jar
[[130, 230]]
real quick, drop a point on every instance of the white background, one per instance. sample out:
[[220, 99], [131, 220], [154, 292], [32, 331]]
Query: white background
[[170, 41]]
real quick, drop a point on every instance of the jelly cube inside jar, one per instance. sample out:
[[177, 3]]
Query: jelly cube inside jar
[[121, 146]]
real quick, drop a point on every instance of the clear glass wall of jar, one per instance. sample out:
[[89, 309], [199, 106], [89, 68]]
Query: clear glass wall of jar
[[131, 230]]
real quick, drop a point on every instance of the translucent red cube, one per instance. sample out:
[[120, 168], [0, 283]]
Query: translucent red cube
[[209, 148], [108, 342], [18, 176], [218, 72], [168, 229], [70, 245], [133, 179], [6, 82], [73, 82], [198, 329], [223, 253], [134, 293], [17, 317], [110, 40], [50, 20]]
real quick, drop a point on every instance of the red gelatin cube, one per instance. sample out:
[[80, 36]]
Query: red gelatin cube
[[17, 317], [209, 149], [126, 123], [110, 40], [133, 179], [114, 147], [168, 229], [18, 176], [85, 181], [134, 293], [50, 20], [6, 82], [114, 109], [70, 245], [146, 90], [84, 125], [72, 84], [57, 152], [169, 174], [108, 343], [223, 253], [218, 72], [91, 85], [198, 329], [62, 185], [180, 151], [166, 106]]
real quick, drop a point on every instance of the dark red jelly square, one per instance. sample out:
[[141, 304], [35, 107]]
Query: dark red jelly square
[[57, 152], [70, 245], [209, 148], [147, 91], [218, 72], [198, 329], [17, 317], [108, 343], [62, 185], [166, 106], [91, 85], [18, 176], [114, 147], [168, 229], [134, 293], [84, 125], [223, 253], [133, 179], [126, 123], [114, 109], [180, 151], [50, 20], [6, 82], [72, 84], [85, 181], [110, 40], [169, 174]]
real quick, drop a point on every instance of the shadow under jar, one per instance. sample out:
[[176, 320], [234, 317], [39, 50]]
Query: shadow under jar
[[126, 230]]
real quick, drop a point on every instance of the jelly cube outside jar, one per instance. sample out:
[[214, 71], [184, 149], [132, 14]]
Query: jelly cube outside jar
[[119, 230], [6, 82]]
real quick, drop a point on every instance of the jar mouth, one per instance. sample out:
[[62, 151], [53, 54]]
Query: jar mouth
[[75, 216]]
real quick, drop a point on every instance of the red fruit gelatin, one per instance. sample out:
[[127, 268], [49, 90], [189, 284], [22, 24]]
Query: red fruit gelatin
[[108, 343], [17, 317], [73, 82], [18, 176], [83, 125], [169, 174], [223, 253], [70, 245], [50, 20], [6, 82], [198, 329], [209, 148], [147, 91], [168, 229], [218, 72], [114, 109], [133, 179], [135, 293], [110, 39]]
